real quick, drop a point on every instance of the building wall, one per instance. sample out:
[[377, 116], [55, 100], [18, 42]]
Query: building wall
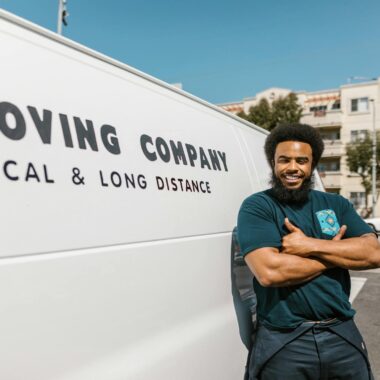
[[338, 114]]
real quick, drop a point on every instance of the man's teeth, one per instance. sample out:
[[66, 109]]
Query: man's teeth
[[292, 177]]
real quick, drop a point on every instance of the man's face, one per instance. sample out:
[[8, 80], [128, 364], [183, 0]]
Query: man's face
[[292, 163]]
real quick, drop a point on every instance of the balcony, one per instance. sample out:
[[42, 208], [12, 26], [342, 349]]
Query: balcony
[[322, 118], [333, 148], [331, 180]]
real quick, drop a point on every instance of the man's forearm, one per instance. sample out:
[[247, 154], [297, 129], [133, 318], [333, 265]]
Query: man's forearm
[[274, 269], [294, 272], [354, 253]]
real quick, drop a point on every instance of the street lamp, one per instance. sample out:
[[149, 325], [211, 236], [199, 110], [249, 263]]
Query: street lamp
[[62, 15], [374, 158]]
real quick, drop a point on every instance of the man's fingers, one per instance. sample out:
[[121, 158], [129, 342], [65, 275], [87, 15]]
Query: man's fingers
[[290, 226], [340, 233]]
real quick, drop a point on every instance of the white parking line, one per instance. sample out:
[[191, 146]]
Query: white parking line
[[372, 270], [356, 285]]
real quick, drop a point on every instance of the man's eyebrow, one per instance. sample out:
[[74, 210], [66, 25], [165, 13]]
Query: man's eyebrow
[[297, 157]]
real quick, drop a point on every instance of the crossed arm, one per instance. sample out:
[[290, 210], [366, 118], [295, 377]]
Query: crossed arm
[[275, 269], [302, 258]]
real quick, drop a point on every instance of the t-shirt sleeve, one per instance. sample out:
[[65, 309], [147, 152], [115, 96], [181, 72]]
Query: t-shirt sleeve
[[256, 226], [356, 226]]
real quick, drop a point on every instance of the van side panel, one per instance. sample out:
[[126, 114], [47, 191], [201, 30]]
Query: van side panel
[[253, 144], [118, 196], [130, 312], [174, 154]]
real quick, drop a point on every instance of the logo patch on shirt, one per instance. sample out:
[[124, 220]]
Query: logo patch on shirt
[[328, 222]]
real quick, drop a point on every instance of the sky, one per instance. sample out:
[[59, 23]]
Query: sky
[[226, 50]]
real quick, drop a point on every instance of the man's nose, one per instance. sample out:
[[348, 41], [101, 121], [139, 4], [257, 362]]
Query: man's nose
[[292, 165]]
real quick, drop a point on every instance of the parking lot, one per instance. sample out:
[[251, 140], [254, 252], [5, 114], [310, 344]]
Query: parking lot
[[367, 305]]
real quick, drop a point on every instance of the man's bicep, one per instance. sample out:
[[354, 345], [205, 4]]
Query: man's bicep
[[261, 262], [371, 238]]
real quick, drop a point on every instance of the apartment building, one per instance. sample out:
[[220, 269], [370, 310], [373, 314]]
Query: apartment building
[[342, 115]]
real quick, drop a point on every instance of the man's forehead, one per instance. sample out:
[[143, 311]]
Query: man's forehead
[[293, 148]]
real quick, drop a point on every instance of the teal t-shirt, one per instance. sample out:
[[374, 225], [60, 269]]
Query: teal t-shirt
[[261, 224]]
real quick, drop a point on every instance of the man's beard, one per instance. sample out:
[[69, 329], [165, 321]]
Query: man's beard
[[296, 196]]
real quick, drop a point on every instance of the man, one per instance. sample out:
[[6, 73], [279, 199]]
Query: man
[[299, 243]]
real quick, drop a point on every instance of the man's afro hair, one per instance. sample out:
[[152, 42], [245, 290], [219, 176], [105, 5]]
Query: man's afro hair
[[294, 132]]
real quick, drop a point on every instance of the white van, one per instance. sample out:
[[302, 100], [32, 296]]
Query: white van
[[119, 194]]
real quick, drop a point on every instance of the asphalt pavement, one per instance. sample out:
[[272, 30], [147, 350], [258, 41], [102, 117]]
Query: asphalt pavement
[[367, 317]]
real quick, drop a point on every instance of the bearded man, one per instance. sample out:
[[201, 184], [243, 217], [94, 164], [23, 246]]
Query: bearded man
[[300, 243]]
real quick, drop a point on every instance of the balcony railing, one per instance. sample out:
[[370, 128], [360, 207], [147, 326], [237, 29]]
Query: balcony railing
[[322, 118], [331, 179], [333, 148], [320, 113]]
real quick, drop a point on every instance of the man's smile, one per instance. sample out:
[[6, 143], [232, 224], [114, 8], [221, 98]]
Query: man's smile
[[292, 179]]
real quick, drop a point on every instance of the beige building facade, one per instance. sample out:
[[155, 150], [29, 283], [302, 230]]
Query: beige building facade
[[342, 115]]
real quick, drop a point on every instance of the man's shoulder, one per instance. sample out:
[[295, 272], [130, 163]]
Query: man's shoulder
[[259, 198], [330, 197]]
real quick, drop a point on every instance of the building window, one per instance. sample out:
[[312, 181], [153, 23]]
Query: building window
[[359, 105], [359, 135], [336, 105], [329, 165], [332, 135], [318, 108], [357, 199]]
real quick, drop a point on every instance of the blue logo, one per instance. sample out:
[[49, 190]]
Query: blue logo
[[328, 222]]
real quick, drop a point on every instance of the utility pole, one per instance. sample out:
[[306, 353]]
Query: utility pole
[[62, 15], [374, 158]]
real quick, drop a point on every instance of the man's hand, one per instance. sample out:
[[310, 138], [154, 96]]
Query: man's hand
[[340, 233], [297, 243]]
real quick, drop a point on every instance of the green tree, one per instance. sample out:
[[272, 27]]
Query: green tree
[[268, 115], [359, 161]]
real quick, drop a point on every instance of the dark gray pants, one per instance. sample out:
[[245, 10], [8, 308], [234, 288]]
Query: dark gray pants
[[311, 352]]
